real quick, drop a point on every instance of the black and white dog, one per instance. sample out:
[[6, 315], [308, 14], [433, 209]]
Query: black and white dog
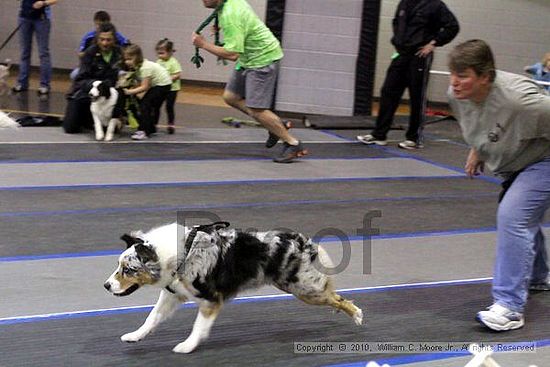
[[210, 264], [104, 99]]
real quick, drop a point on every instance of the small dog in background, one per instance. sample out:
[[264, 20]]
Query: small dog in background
[[4, 73], [212, 264], [128, 79], [104, 99], [7, 121]]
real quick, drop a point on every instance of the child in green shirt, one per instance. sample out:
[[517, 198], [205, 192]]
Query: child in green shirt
[[165, 52], [155, 83]]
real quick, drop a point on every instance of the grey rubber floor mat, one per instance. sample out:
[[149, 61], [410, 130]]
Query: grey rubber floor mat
[[264, 333]]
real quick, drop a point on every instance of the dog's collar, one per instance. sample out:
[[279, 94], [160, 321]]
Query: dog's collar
[[189, 243]]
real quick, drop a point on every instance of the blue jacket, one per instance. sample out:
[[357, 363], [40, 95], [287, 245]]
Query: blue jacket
[[539, 74], [89, 37]]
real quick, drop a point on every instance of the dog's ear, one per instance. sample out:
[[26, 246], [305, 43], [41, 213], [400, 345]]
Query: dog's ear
[[105, 89], [130, 240], [146, 253]]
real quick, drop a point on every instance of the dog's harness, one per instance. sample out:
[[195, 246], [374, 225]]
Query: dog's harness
[[206, 228]]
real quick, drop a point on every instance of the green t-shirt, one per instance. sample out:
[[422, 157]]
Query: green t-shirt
[[173, 67], [159, 76], [245, 33], [107, 56]]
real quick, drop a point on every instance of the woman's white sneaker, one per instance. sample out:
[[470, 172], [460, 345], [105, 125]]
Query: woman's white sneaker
[[500, 318], [540, 287]]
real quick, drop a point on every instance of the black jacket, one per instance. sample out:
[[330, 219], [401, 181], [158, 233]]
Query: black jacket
[[28, 12], [93, 67], [417, 22]]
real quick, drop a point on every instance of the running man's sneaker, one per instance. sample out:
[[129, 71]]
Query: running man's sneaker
[[369, 140], [272, 139], [540, 287], [499, 318], [409, 144], [290, 152], [139, 135]]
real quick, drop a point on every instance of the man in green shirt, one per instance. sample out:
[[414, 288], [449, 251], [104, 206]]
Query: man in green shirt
[[257, 53]]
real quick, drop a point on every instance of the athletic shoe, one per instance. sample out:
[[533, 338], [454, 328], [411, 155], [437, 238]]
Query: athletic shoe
[[540, 287], [369, 140], [18, 88], [290, 152], [272, 139], [139, 135], [43, 91], [499, 318], [409, 144], [171, 129]]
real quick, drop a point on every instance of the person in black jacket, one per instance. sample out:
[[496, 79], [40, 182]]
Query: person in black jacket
[[419, 26], [101, 61]]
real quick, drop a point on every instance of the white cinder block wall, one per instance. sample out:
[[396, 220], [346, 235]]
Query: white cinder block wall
[[320, 40], [143, 21], [321, 43]]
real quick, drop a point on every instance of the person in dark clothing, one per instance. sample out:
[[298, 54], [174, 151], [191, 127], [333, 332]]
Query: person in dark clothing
[[101, 61], [419, 26], [35, 17]]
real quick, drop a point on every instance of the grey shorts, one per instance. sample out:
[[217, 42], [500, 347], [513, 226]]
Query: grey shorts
[[256, 86]]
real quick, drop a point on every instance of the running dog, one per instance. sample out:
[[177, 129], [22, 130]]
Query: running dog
[[104, 99], [211, 264]]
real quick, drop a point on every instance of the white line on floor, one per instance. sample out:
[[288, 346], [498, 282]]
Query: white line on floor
[[38, 317], [170, 142]]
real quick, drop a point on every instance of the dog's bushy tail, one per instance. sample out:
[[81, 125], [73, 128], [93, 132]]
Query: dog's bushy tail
[[316, 251]]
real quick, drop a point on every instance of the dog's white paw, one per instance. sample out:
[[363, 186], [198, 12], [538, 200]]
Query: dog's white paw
[[109, 137], [358, 317], [99, 135], [186, 347], [132, 337]]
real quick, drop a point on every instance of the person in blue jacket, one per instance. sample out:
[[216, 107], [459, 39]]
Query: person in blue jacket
[[100, 17], [541, 71]]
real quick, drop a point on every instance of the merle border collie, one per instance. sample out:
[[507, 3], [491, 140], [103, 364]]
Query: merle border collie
[[104, 99], [210, 264]]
